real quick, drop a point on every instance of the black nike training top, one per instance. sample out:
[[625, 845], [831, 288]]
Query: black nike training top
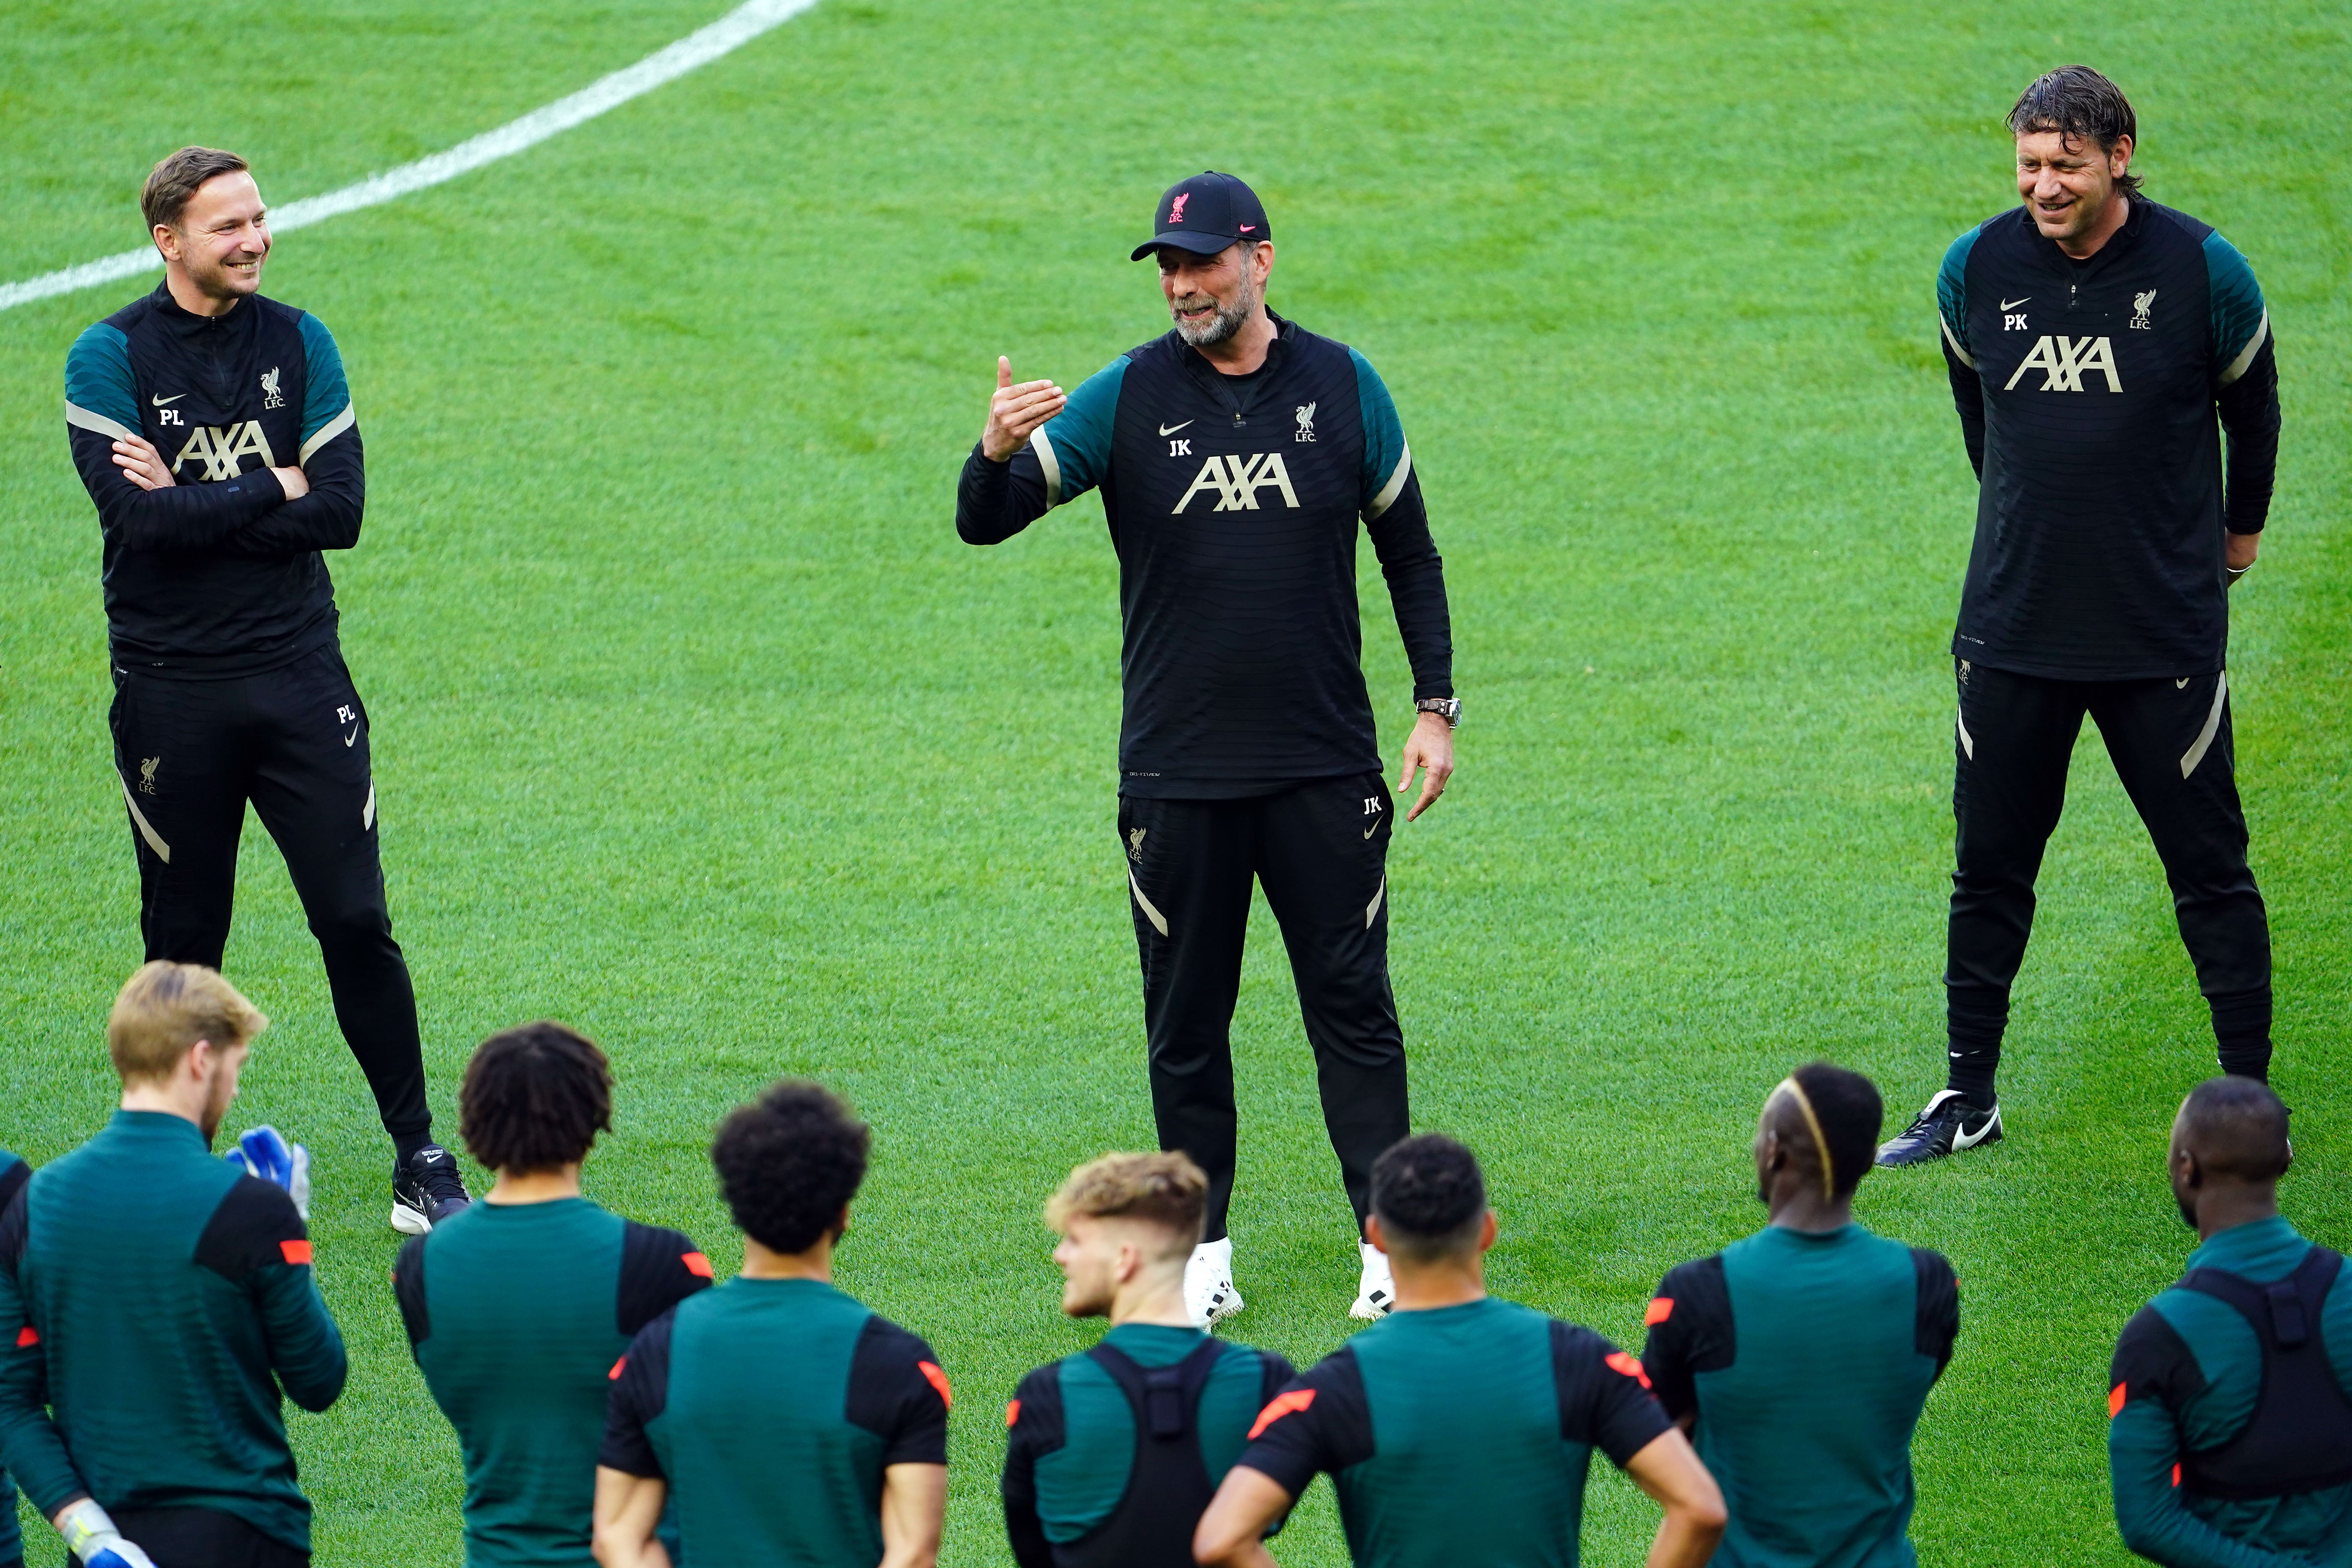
[[1234, 503], [218, 573], [2087, 392]]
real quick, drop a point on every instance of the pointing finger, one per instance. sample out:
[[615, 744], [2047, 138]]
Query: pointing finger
[[1004, 371]]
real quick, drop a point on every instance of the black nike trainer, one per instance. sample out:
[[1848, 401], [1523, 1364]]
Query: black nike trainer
[[1947, 1126], [426, 1190]]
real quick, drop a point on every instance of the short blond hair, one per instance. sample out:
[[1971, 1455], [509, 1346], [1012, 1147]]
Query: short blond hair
[[165, 1008], [1167, 1190]]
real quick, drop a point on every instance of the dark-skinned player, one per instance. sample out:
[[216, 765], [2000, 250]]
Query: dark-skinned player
[[1807, 1428], [2230, 1402]]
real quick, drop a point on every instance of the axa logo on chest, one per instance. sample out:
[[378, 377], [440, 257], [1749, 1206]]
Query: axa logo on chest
[[1238, 480], [219, 448], [2064, 361]]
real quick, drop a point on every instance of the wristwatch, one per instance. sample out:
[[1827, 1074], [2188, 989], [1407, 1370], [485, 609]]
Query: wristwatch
[[1446, 707]]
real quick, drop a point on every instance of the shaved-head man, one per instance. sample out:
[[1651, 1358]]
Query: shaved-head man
[[2229, 1405], [1807, 1431]]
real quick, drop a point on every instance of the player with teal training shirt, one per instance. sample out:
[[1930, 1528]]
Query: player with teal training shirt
[[2229, 1405], [13, 1173], [1112, 1455], [787, 1421], [517, 1307], [1459, 1428], [1799, 1358]]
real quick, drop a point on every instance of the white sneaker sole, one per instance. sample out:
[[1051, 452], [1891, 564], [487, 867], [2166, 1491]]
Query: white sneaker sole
[[408, 1222], [1364, 1310], [1231, 1304]]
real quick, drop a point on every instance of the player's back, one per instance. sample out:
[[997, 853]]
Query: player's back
[[1103, 1467], [516, 1314], [171, 1298], [1809, 1357], [772, 1407]]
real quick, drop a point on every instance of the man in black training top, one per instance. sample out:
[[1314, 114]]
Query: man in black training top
[[213, 429], [157, 1300], [786, 1422], [2092, 337], [518, 1307], [1111, 1456], [2229, 1403], [1235, 456], [1461, 1429], [1798, 1358], [13, 1174]]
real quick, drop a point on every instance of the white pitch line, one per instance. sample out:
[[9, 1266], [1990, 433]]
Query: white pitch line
[[730, 32]]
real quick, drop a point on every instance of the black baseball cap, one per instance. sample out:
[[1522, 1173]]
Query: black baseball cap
[[1204, 215]]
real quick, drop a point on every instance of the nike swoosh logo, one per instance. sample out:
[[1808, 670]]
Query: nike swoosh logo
[[160, 401], [1375, 828], [2181, 684], [353, 736], [1963, 1138], [1171, 429], [2013, 304]]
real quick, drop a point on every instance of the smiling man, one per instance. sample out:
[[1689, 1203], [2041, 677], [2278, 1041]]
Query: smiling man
[[2092, 339], [1237, 456], [213, 429]]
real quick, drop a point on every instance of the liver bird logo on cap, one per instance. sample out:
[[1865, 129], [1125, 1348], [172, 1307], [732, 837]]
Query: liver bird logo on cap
[[1176, 211]]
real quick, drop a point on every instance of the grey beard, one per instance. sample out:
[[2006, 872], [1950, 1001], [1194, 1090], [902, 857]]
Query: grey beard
[[1219, 327]]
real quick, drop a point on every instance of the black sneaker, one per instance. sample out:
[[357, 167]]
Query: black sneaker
[[426, 1190], [1947, 1126]]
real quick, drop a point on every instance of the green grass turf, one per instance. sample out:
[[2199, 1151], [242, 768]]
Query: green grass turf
[[696, 725]]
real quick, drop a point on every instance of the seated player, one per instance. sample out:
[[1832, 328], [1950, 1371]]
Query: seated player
[[1114, 1454], [788, 1421], [160, 1298], [517, 1306], [13, 1173], [1459, 1428], [1803, 1354], [2230, 1437]]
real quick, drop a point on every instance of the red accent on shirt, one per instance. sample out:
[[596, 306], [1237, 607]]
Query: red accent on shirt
[[1660, 1309], [1618, 1360], [614, 1375], [1284, 1403], [696, 1264], [2175, 1472], [1013, 1415], [2114, 1401], [27, 1337], [295, 1251], [938, 1380]]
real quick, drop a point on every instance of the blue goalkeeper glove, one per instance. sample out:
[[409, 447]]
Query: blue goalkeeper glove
[[264, 1152], [91, 1537]]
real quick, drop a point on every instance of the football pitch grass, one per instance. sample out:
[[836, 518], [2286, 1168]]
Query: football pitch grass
[[696, 726]]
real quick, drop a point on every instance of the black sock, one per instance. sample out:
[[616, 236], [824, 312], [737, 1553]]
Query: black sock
[[2241, 1033], [405, 1144], [1975, 1021]]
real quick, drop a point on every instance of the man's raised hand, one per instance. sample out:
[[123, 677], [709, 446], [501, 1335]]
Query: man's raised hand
[[1015, 411]]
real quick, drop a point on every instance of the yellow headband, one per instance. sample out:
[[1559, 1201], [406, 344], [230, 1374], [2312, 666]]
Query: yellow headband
[[1813, 1124]]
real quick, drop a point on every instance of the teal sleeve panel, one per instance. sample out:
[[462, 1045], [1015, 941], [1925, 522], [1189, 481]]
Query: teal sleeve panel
[[1387, 460], [1074, 447], [97, 378], [1230, 1403], [306, 1349], [2241, 321], [2143, 1446], [1081, 1482], [1952, 296], [327, 409]]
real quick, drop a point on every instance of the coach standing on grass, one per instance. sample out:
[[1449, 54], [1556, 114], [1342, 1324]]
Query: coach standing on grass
[[2092, 337], [213, 429], [1236, 456]]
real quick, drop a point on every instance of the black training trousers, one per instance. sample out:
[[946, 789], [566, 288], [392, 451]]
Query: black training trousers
[[294, 742], [1320, 849], [201, 1538], [2170, 743]]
